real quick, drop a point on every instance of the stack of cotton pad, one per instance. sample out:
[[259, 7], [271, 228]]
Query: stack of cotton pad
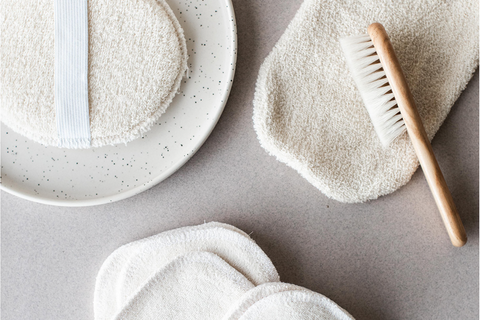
[[137, 58], [309, 113], [210, 271]]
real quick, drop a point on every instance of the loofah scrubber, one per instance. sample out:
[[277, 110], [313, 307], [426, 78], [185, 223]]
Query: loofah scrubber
[[136, 61]]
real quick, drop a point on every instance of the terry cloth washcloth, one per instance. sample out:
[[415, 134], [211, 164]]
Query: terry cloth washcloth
[[198, 285], [137, 58], [109, 282], [309, 113], [295, 305]]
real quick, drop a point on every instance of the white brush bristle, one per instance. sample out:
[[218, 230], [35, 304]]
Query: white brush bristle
[[374, 88]]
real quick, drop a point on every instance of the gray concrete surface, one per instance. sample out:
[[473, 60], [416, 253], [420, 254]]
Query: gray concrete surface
[[385, 259]]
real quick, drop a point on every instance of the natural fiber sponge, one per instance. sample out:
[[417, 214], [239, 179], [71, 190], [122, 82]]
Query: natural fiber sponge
[[309, 113], [137, 58]]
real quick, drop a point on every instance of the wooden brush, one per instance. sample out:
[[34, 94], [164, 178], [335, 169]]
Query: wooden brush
[[390, 103]]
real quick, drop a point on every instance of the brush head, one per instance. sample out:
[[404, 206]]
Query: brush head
[[374, 88]]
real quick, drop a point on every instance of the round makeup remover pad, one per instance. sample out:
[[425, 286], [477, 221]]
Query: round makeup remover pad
[[295, 304], [130, 266], [197, 285], [137, 58]]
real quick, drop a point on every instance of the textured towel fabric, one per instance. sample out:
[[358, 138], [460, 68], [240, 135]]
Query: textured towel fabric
[[198, 285], [295, 305], [109, 282], [309, 114], [137, 59], [200, 273], [256, 294], [240, 252]]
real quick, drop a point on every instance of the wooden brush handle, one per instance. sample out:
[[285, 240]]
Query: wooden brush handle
[[417, 134]]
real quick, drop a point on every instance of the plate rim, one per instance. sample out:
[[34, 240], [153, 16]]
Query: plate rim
[[165, 174]]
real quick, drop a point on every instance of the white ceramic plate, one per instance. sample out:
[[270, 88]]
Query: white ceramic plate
[[68, 177]]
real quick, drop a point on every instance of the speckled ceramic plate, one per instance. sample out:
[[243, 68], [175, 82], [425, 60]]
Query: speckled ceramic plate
[[68, 177]]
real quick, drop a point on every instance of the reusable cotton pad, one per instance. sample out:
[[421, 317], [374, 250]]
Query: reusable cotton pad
[[109, 287], [256, 294], [198, 285], [136, 60], [108, 281], [240, 252], [295, 304], [309, 114]]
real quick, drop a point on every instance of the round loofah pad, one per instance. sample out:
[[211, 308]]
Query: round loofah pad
[[309, 113], [137, 58]]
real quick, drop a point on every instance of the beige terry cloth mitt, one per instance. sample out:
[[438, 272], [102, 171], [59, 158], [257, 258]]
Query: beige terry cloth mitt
[[309, 113]]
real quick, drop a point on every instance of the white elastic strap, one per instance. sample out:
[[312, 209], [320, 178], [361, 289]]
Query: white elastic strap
[[71, 73]]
